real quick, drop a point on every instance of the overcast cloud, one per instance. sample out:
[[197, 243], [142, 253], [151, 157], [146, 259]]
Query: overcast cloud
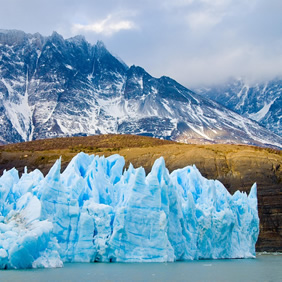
[[196, 42]]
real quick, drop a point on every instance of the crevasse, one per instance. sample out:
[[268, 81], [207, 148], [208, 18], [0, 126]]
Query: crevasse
[[98, 211]]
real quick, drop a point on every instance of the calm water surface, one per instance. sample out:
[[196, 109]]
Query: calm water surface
[[263, 268]]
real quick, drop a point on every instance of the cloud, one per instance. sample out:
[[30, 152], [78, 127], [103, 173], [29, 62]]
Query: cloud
[[244, 60], [193, 41], [107, 26], [202, 20], [203, 15]]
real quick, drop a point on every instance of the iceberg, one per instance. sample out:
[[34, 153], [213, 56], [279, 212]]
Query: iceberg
[[98, 211]]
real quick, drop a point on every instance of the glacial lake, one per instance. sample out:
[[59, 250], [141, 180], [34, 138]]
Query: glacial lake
[[265, 267]]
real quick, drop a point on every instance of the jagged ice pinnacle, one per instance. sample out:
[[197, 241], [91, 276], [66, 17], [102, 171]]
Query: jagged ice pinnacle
[[98, 211]]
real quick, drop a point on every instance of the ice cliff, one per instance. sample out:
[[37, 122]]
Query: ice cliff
[[98, 211]]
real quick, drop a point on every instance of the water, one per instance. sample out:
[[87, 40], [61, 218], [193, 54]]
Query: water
[[263, 268]]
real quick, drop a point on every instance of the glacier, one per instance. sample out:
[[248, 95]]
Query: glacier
[[98, 211]]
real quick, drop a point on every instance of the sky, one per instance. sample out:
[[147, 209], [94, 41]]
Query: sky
[[195, 42]]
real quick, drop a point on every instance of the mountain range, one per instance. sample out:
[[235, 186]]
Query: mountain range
[[55, 87], [261, 102]]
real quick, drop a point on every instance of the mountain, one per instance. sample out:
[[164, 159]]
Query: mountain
[[52, 87], [260, 102]]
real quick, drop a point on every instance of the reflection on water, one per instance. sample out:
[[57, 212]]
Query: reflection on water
[[263, 268]]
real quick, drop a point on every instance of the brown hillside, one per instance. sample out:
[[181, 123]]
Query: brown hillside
[[236, 166]]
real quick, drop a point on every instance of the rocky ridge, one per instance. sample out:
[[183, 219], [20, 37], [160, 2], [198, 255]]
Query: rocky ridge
[[260, 102]]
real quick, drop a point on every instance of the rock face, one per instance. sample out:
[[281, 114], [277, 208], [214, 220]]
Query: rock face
[[260, 102], [51, 87]]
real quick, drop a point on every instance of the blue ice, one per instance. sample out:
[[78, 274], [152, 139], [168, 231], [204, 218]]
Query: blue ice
[[96, 210]]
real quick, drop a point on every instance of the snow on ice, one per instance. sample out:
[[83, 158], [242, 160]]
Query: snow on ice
[[98, 211]]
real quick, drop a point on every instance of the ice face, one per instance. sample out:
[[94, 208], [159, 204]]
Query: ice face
[[98, 211]]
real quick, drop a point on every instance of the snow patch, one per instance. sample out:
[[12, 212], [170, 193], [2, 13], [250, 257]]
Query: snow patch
[[19, 112], [258, 116], [69, 67]]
